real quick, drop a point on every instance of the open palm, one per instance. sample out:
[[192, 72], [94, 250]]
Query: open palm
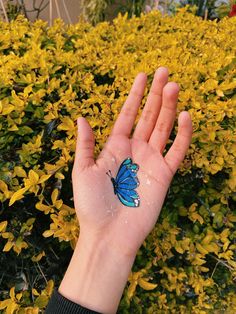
[[100, 212]]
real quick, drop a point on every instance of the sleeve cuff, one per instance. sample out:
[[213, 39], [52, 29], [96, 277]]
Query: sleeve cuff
[[61, 305]]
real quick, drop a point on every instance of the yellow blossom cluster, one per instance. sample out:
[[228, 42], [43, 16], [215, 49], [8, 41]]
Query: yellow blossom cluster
[[49, 76]]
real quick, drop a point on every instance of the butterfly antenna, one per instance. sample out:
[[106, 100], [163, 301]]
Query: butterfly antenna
[[109, 173]]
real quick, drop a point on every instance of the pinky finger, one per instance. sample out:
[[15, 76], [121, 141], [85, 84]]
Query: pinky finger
[[179, 148]]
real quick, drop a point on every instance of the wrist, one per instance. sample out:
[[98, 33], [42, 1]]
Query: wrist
[[96, 276]]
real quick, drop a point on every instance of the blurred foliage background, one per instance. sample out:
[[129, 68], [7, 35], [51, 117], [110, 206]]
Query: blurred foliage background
[[96, 11], [49, 76], [99, 10]]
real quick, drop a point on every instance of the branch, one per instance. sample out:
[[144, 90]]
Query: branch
[[67, 12], [4, 11]]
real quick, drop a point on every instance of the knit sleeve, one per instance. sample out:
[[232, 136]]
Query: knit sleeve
[[61, 305]]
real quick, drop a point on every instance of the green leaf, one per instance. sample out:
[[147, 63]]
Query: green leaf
[[41, 301]]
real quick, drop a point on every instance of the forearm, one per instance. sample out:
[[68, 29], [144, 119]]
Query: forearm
[[96, 276]]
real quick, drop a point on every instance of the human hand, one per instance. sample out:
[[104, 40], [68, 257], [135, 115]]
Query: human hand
[[99, 210], [111, 233]]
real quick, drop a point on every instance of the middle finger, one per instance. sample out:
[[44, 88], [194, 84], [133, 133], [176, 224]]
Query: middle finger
[[152, 107]]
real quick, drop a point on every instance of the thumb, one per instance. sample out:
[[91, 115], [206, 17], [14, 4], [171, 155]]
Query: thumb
[[84, 154]]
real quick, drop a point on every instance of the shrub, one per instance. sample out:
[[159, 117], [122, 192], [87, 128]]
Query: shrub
[[51, 76]]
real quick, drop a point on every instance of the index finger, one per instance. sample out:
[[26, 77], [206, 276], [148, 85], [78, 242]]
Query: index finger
[[127, 116]]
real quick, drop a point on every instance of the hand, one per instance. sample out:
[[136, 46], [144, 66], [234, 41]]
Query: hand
[[99, 210], [104, 221]]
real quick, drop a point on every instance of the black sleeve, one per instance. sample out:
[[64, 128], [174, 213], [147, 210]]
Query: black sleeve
[[60, 305]]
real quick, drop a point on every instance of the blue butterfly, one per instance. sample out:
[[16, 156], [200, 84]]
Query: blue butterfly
[[126, 182]]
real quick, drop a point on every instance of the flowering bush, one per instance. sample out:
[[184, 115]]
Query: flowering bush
[[51, 76]]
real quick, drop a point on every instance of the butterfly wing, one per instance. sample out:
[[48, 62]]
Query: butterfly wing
[[123, 168], [127, 200], [126, 182]]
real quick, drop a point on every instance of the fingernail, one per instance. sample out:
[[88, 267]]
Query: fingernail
[[162, 69]]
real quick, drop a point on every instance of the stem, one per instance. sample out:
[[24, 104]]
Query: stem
[[50, 12], [23, 8], [222, 262], [42, 273], [58, 10], [4, 11], [67, 12], [214, 269]]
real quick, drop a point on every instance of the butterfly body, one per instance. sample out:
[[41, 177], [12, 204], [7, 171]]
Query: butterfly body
[[115, 186], [126, 182]]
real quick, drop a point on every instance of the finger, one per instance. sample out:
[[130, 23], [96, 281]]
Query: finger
[[127, 116], [84, 154], [152, 107], [166, 117], [181, 143]]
